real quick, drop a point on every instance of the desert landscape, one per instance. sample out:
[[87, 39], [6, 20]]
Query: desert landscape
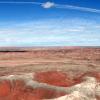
[[50, 73], [49, 49]]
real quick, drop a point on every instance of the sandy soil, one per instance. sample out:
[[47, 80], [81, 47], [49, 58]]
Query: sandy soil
[[71, 59]]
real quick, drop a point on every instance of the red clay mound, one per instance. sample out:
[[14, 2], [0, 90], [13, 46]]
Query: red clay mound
[[21, 92], [17, 89]]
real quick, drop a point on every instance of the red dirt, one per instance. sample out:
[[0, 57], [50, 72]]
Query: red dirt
[[17, 90], [5, 87], [54, 78]]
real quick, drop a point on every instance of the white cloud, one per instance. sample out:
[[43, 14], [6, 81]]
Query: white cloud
[[60, 6], [77, 8], [52, 32], [97, 26], [48, 5]]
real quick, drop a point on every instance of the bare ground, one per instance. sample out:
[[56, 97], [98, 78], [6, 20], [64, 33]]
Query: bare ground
[[68, 59]]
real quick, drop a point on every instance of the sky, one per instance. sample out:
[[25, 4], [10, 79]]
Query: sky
[[49, 23]]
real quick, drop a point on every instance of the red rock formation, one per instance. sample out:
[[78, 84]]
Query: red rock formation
[[16, 88]]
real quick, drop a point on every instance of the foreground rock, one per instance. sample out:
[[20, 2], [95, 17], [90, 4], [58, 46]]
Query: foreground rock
[[51, 85]]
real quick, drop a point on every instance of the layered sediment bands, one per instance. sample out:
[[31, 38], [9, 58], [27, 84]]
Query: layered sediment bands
[[50, 85]]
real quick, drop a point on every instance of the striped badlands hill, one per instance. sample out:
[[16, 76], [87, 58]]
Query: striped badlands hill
[[51, 85]]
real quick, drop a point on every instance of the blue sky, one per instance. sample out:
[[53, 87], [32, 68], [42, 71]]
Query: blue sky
[[50, 23]]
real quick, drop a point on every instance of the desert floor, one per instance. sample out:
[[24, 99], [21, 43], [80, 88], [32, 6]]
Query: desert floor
[[71, 59], [58, 67]]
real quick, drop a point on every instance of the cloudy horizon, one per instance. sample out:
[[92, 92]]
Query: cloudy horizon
[[45, 25]]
